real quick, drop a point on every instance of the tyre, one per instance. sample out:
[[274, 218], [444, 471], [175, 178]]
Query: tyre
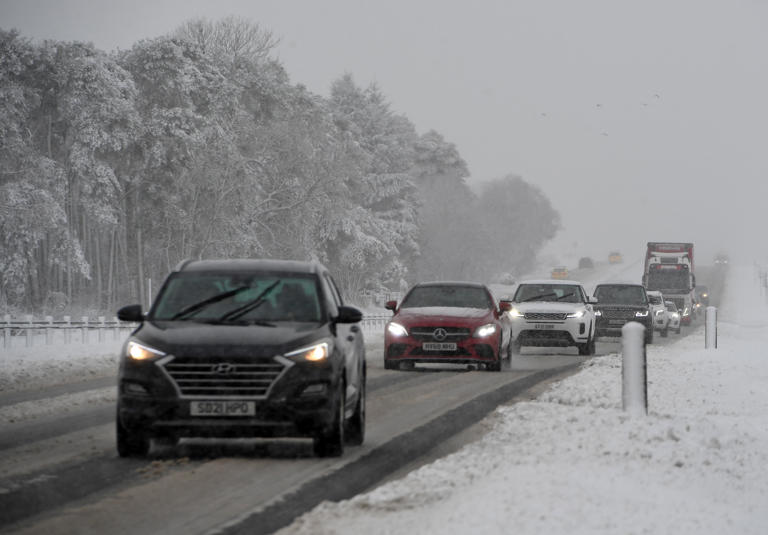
[[515, 347], [509, 351], [330, 442], [648, 335], [665, 331], [389, 365], [355, 431], [131, 443], [587, 348], [495, 366]]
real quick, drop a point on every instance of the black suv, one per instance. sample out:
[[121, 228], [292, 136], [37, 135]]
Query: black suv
[[243, 348], [618, 304]]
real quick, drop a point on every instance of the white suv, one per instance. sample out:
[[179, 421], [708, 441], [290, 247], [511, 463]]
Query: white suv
[[552, 313], [658, 312]]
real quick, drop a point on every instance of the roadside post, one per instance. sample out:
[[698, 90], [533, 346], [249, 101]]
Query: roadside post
[[67, 330], [30, 331], [84, 331], [710, 328], [7, 332], [634, 391], [49, 330]]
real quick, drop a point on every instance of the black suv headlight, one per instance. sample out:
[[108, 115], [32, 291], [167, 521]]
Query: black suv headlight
[[316, 352], [137, 351]]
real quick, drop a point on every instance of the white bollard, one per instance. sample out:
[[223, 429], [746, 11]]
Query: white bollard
[[634, 392], [30, 331], [710, 328], [49, 330]]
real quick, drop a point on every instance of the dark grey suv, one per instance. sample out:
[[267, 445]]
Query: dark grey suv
[[618, 304], [243, 348]]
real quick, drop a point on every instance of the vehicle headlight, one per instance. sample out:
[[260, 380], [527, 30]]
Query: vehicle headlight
[[313, 353], [598, 313], [642, 314], [137, 351], [685, 311], [516, 313], [485, 330], [577, 314], [395, 329], [659, 312]]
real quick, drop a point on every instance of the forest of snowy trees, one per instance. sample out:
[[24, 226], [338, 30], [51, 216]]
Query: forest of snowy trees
[[116, 166]]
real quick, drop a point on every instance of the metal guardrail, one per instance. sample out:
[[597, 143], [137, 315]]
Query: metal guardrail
[[48, 331]]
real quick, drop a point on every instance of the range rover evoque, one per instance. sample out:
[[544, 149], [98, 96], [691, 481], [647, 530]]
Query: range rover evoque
[[243, 348]]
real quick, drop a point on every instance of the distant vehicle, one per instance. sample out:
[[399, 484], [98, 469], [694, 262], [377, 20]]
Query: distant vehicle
[[560, 272], [559, 314], [585, 262], [674, 316], [702, 296], [618, 304], [721, 259], [658, 312], [614, 257], [243, 348], [669, 268], [447, 322]]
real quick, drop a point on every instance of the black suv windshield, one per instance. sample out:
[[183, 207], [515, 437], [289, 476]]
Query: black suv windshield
[[655, 299], [620, 294], [447, 296], [563, 293], [239, 297]]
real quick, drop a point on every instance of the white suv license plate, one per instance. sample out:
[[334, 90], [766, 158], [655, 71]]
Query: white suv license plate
[[438, 346], [544, 326], [222, 408]]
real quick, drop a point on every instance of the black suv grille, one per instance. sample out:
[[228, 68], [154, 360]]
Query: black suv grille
[[222, 378], [540, 316], [452, 334], [618, 313]]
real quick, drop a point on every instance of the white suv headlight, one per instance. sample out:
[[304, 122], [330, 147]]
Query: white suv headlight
[[577, 314], [485, 330], [516, 313], [395, 329]]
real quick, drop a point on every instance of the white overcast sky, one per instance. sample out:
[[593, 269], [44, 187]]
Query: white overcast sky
[[640, 120]]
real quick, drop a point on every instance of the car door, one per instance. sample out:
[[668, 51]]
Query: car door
[[350, 338]]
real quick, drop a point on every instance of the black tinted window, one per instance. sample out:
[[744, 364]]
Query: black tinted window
[[621, 295], [447, 296], [288, 297]]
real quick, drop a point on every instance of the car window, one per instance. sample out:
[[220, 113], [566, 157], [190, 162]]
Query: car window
[[563, 293], [621, 295], [284, 296], [448, 296]]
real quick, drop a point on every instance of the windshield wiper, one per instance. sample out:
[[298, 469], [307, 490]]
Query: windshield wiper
[[537, 297], [196, 307], [565, 295], [250, 305]]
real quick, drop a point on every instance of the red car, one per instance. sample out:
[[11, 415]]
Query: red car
[[447, 322]]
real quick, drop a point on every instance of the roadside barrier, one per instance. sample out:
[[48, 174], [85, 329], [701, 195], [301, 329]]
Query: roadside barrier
[[29, 331], [710, 328], [634, 385]]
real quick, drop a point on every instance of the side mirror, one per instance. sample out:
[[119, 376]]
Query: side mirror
[[505, 306], [592, 300], [348, 314], [391, 305], [130, 313]]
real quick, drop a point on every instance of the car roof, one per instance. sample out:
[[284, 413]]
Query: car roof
[[550, 281], [250, 264], [619, 284], [653, 292], [450, 283]]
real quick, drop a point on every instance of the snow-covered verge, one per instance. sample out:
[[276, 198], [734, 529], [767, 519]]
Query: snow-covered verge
[[28, 368], [573, 462]]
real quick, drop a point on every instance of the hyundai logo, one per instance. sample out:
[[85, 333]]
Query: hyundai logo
[[440, 334], [223, 368]]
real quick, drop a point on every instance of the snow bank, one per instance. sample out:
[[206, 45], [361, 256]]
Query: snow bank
[[573, 462]]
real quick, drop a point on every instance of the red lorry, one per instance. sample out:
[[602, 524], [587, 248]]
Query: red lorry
[[669, 269]]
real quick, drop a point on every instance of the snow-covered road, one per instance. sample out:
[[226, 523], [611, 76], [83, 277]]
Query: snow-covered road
[[572, 461]]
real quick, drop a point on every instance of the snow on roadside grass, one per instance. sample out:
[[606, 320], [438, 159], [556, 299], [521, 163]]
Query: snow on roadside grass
[[573, 462], [40, 366]]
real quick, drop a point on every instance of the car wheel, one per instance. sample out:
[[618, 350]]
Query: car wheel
[[355, 432], [648, 335], [330, 442], [509, 350], [665, 331], [495, 366], [131, 443], [587, 348]]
